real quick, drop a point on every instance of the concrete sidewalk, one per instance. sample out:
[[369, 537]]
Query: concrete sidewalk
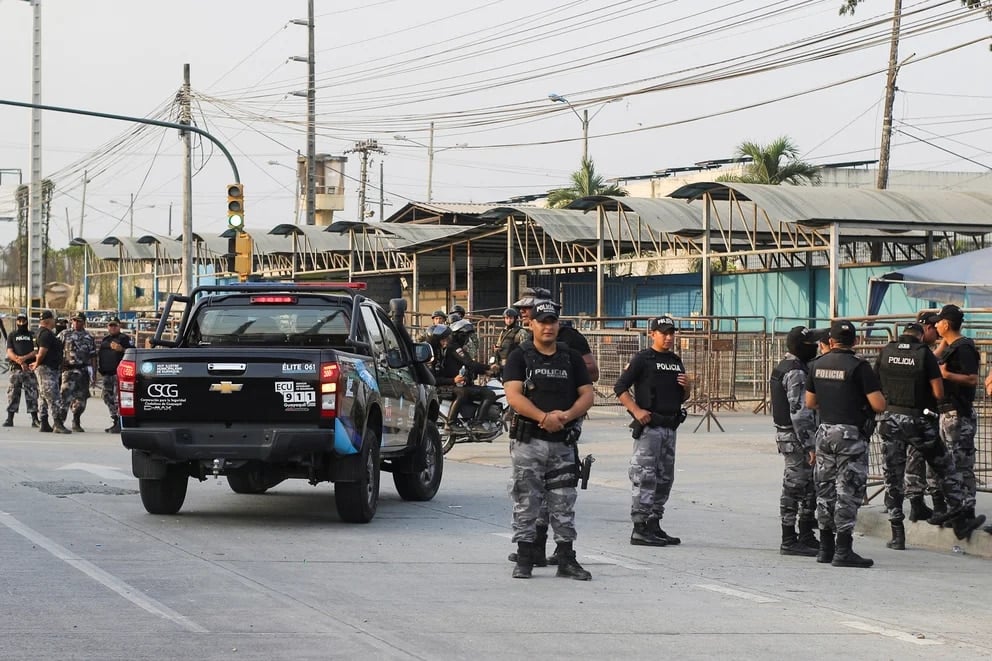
[[738, 470]]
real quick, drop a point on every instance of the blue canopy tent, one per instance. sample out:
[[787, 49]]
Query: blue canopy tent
[[961, 279]]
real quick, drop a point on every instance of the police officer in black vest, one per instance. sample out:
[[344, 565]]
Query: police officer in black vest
[[20, 355], [847, 394], [912, 383], [795, 438], [549, 389], [660, 385]]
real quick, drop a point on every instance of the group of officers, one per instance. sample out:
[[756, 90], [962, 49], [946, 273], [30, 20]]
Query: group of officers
[[918, 396], [54, 370]]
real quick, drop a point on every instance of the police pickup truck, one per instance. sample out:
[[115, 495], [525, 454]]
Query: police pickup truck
[[267, 381]]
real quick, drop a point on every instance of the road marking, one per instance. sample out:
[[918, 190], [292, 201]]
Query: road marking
[[892, 633], [740, 594], [110, 581], [106, 472]]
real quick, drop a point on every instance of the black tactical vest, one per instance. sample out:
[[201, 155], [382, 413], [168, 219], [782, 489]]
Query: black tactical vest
[[840, 402], [22, 343], [549, 382], [657, 389], [902, 372], [781, 409]]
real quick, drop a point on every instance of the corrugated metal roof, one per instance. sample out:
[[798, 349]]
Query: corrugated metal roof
[[320, 239], [564, 225], [661, 214], [412, 237], [810, 205]]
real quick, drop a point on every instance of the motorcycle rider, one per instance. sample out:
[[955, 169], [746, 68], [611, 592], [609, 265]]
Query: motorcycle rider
[[466, 338], [453, 371], [507, 340]]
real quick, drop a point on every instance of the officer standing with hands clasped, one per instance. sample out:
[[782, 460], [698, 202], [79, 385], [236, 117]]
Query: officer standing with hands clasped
[[80, 363], [548, 387], [47, 368], [847, 394], [660, 387], [912, 384], [109, 356], [20, 355], [795, 437]]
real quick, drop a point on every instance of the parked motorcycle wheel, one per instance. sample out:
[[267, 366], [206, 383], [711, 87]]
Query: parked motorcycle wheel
[[447, 437]]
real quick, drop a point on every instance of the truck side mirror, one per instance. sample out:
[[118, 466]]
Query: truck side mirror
[[423, 352], [394, 359]]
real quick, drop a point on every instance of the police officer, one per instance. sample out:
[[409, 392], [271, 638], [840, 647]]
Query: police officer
[[20, 355], [549, 389], [959, 360], [524, 305], [507, 340], [847, 394], [795, 436], [439, 317], [916, 466], [466, 338], [912, 384], [47, 368], [111, 352], [77, 370], [453, 373], [660, 387]]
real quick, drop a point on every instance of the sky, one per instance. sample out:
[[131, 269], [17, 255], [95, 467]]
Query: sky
[[666, 83]]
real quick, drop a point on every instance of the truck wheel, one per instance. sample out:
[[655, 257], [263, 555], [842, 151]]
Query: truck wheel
[[165, 496], [423, 484], [356, 502]]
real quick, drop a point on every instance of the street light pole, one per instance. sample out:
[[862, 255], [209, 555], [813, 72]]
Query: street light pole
[[296, 193], [584, 118], [430, 156]]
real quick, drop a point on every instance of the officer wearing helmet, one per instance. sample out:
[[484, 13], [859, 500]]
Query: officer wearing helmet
[[507, 340], [795, 438], [465, 336], [438, 317], [524, 305], [454, 381]]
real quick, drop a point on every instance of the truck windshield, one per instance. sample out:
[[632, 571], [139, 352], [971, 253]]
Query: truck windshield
[[270, 325]]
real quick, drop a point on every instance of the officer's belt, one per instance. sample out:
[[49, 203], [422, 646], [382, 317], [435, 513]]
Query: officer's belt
[[76, 367], [551, 437], [905, 410], [784, 428]]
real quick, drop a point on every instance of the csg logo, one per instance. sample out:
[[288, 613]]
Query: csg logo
[[163, 390]]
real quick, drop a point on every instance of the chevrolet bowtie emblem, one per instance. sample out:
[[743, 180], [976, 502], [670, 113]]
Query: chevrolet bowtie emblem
[[226, 387]]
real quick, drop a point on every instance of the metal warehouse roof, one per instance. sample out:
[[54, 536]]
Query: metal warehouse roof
[[565, 225], [319, 238], [808, 205], [411, 236], [661, 214]]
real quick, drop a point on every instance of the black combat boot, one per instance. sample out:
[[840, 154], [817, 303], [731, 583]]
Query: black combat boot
[[939, 510], [844, 555], [967, 523], [539, 559], [641, 536], [568, 566], [898, 541], [75, 423], [524, 565], [45, 427], [9, 422], [654, 525], [59, 427], [806, 535], [826, 553], [553, 558], [34, 419], [918, 510], [115, 427], [791, 545]]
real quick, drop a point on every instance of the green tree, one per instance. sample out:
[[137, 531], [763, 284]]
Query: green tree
[[585, 182], [766, 166], [848, 6]]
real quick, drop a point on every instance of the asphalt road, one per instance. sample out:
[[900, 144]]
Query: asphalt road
[[87, 574]]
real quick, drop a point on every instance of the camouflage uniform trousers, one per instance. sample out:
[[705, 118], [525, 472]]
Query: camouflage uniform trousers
[[75, 390], [49, 397], [916, 473], [109, 385], [542, 517], [543, 475], [958, 434], [798, 500], [841, 476], [652, 473], [22, 380], [900, 432]]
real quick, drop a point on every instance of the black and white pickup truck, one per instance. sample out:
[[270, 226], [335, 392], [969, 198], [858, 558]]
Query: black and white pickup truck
[[268, 381]]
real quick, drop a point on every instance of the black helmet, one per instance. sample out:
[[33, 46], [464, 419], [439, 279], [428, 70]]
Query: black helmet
[[462, 327], [459, 309], [453, 317], [511, 312], [438, 313], [440, 331]]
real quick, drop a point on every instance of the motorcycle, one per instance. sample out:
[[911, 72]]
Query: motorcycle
[[465, 429]]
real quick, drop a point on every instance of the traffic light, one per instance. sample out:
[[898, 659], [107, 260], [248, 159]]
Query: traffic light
[[236, 207]]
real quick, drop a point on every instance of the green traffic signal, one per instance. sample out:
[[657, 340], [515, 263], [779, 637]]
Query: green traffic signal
[[236, 207]]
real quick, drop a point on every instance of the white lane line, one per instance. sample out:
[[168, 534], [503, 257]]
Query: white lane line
[[133, 595], [740, 594], [106, 472], [892, 633]]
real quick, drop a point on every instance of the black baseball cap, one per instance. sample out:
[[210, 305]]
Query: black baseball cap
[[113, 321], [927, 318], [663, 324], [842, 330], [79, 316], [22, 316], [46, 314], [951, 312], [800, 335], [544, 310], [819, 334]]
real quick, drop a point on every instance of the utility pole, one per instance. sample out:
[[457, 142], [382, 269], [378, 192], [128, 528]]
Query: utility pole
[[130, 217], [36, 253], [186, 117], [890, 98], [382, 194], [365, 147], [170, 221], [82, 210], [430, 164], [311, 94]]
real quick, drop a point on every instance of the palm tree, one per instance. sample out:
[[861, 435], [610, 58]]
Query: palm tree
[[766, 165], [585, 182]]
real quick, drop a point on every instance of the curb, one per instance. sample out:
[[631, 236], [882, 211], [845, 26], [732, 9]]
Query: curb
[[874, 522]]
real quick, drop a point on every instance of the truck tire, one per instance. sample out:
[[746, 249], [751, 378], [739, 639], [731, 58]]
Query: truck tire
[[423, 484], [357, 501], [165, 496]]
